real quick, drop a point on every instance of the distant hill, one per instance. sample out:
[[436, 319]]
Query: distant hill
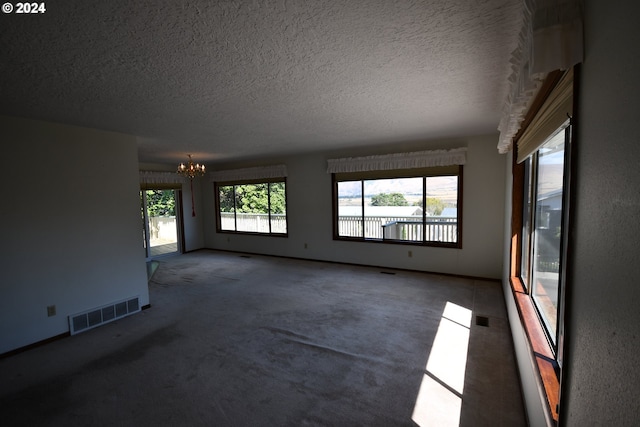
[[444, 187]]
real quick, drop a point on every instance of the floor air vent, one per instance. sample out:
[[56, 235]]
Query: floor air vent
[[99, 316], [482, 321]]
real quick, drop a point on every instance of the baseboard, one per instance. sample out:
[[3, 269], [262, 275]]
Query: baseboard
[[34, 345], [46, 341], [460, 276]]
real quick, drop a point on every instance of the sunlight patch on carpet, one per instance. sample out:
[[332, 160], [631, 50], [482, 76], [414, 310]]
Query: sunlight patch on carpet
[[439, 400]]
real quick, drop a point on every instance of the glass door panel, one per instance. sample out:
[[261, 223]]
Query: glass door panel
[[160, 222]]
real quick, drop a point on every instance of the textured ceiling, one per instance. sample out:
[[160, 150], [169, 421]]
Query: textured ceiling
[[247, 79]]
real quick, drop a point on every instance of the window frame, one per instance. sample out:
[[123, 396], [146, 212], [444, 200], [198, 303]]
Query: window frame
[[267, 181], [546, 360], [532, 165], [423, 173]]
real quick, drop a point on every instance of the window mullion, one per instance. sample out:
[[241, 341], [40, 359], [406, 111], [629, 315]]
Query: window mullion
[[362, 204], [424, 209], [532, 224], [269, 204], [533, 194], [235, 210]]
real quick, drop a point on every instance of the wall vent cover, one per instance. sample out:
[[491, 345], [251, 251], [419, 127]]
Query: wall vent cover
[[90, 319], [482, 321]]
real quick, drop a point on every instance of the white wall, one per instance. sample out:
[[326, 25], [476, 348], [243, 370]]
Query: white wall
[[193, 225], [70, 226], [310, 216], [603, 349]]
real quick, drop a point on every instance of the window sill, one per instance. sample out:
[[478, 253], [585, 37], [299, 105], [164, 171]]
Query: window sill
[[429, 243], [545, 360], [252, 233]]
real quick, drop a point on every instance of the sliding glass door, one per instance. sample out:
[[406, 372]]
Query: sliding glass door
[[160, 219]]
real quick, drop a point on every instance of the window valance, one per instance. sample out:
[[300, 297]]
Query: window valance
[[157, 177], [550, 39], [416, 159], [246, 174]]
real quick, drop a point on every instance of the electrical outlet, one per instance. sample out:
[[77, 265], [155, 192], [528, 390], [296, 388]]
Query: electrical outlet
[[51, 310], [410, 254]]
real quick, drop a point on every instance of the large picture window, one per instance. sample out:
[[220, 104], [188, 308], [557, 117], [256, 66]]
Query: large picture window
[[540, 222], [543, 229], [258, 207], [420, 206]]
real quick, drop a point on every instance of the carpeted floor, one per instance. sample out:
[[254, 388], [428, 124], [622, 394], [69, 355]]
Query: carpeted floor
[[264, 341]]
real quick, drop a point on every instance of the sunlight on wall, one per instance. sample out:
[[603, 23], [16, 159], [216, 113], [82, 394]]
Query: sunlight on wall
[[439, 400]]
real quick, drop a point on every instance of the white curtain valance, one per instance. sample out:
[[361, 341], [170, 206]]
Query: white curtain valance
[[416, 159], [246, 174], [551, 38], [156, 177]]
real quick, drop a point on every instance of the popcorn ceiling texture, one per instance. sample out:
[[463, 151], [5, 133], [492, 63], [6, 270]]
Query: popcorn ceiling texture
[[239, 79]]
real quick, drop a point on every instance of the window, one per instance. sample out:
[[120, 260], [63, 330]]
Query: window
[[539, 271], [413, 206], [543, 228], [258, 207]]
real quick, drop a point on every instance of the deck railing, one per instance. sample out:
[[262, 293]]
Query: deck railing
[[253, 222], [438, 229]]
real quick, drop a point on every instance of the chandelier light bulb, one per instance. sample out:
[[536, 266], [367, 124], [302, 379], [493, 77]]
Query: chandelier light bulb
[[191, 170]]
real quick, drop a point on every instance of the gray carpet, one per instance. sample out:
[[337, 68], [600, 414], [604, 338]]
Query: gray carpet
[[264, 341]]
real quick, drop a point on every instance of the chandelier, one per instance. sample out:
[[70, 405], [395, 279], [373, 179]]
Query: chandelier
[[190, 170]]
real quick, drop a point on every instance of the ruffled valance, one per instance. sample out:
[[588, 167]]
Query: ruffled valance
[[416, 159], [156, 177], [550, 39], [245, 174]]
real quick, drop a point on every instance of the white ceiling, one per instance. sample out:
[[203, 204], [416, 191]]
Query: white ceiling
[[232, 80]]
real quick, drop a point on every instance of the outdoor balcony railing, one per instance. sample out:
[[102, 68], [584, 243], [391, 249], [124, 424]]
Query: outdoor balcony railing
[[438, 229], [253, 222]]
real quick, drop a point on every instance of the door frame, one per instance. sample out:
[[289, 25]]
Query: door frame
[[177, 192]]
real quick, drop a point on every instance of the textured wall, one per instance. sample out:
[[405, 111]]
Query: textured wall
[[70, 226], [603, 351]]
